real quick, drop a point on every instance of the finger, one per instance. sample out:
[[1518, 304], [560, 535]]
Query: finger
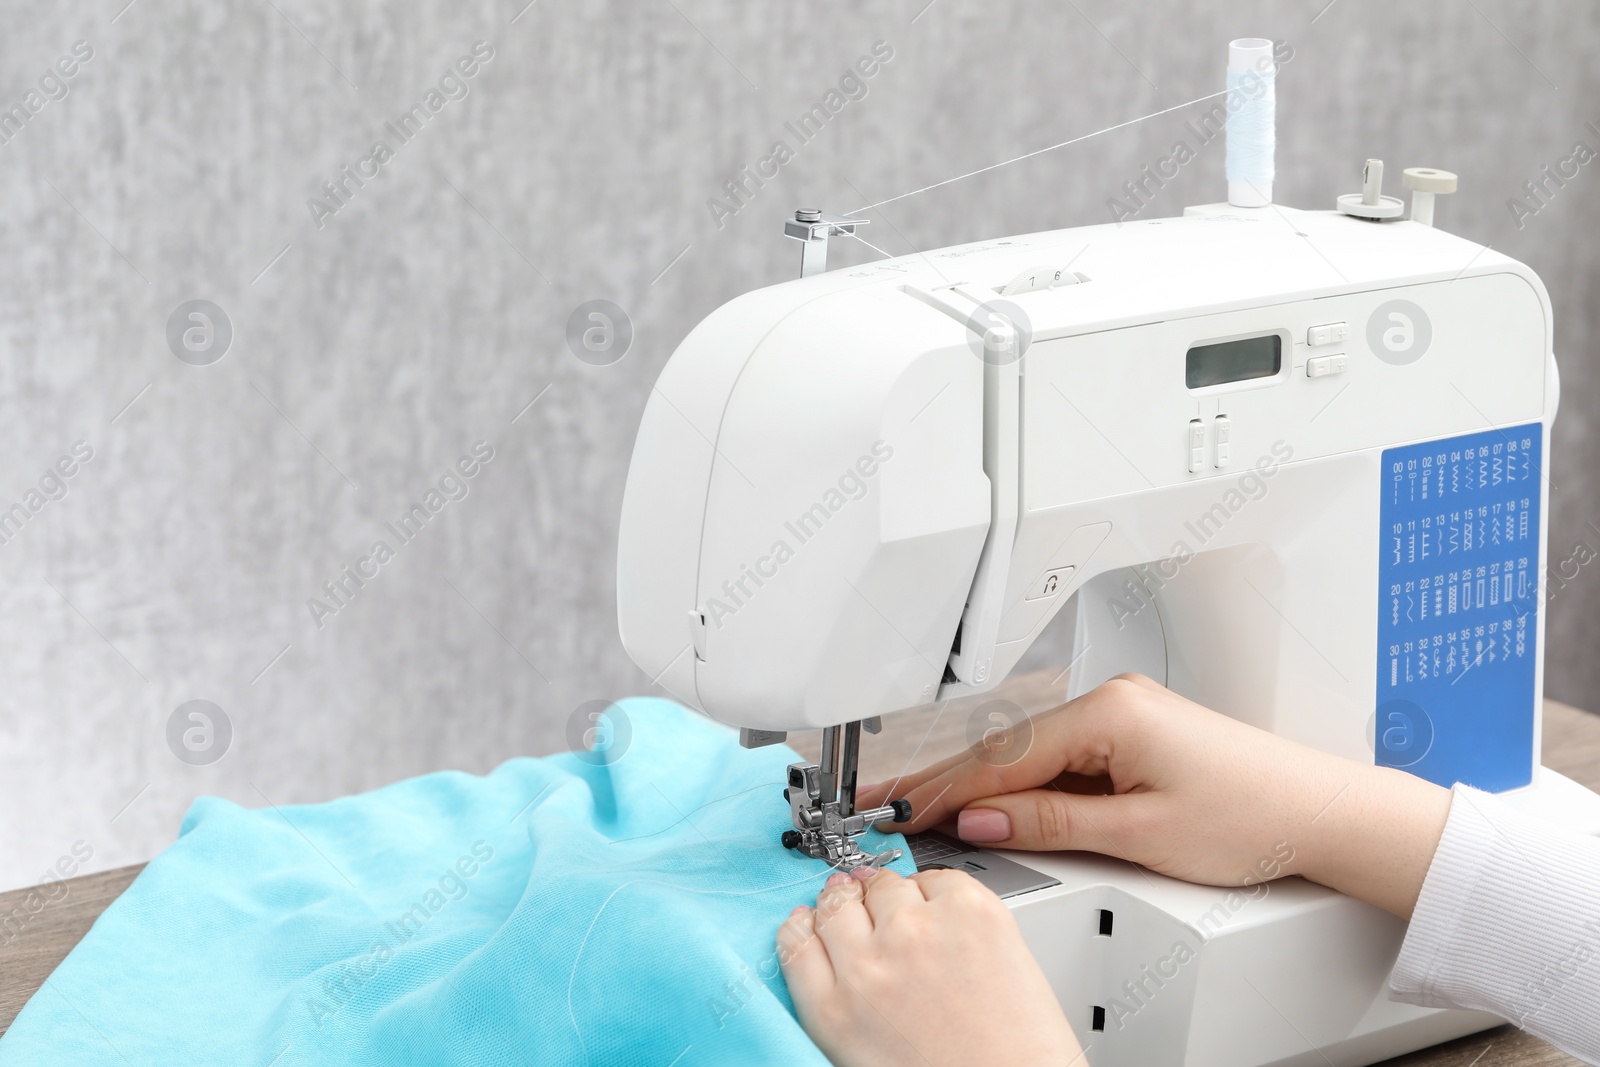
[[907, 784], [880, 793], [802, 956], [1080, 737], [888, 893], [942, 882], [842, 921], [876, 796], [1044, 819]]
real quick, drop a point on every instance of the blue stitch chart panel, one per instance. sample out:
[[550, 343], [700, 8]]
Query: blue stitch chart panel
[[1458, 607]]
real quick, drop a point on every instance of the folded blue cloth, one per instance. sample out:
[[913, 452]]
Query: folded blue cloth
[[556, 911]]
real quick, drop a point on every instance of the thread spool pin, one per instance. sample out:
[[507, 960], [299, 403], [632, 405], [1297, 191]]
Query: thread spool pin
[[1371, 183], [1370, 203], [1425, 183]]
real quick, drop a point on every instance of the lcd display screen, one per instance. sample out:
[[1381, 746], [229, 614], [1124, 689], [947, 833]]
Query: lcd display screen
[[1234, 361]]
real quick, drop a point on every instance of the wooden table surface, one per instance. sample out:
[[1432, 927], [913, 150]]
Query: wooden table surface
[[1571, 746]]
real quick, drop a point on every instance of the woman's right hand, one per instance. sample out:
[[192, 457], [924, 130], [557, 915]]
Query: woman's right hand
[[1187, 792]]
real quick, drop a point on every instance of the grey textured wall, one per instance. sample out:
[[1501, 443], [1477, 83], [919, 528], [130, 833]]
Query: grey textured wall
[[370, 352]]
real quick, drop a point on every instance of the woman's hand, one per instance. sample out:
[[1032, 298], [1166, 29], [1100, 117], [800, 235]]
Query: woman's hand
[[929, 969], [1135, 771]]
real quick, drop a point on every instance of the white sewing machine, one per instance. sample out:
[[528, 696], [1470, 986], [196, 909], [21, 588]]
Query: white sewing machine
[[1289, 463]]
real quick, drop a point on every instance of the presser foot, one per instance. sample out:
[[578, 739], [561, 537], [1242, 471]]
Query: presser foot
[[841, 855], [826, 824]]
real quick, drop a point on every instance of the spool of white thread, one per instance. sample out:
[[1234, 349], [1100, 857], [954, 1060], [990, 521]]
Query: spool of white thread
[[1252, 121]]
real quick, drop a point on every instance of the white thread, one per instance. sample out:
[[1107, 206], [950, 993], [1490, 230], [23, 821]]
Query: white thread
[[1042, 151], [1252, 127], [869, 244]]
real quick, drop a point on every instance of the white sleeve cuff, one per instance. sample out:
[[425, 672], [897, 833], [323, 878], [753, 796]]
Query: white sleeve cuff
[[1508, 921]]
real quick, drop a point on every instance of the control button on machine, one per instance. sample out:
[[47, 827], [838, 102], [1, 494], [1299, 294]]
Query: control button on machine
[[1049, 583], [1224, 440], [1197, 445], [1322, 366], [1329, 334]]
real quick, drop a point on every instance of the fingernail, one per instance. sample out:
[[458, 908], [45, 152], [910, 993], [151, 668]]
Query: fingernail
[[863, 874], [798, 909], [983, 825], [836, 878]]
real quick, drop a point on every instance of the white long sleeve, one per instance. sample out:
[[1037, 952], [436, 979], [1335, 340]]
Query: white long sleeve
[[1509, 922]]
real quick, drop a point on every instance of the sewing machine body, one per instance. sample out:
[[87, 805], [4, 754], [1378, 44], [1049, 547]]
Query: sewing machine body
[[764, 593], [861, 491]]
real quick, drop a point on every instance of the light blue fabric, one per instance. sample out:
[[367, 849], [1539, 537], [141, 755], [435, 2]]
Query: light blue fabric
[[551, 912]]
